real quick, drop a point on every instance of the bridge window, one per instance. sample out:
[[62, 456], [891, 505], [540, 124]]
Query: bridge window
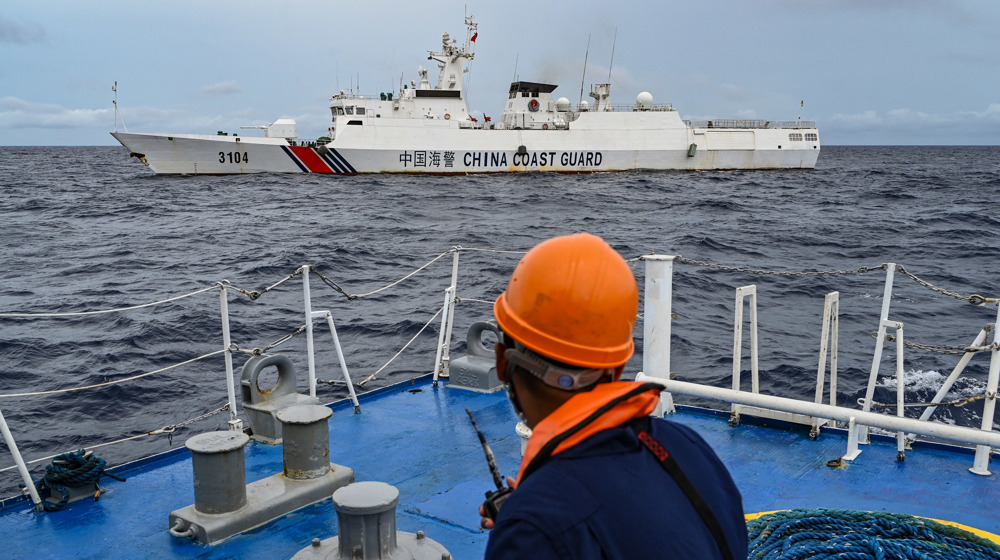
[[795, 137], [812, 136], [349, 110], [361, 110]]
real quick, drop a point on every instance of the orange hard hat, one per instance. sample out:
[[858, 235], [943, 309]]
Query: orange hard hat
[[572, 299]]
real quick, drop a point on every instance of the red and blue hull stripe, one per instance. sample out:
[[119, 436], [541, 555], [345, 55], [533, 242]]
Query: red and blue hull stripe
[[310, 160]]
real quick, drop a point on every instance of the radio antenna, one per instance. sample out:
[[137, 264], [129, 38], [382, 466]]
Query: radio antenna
[[613, 43], [584, 77]]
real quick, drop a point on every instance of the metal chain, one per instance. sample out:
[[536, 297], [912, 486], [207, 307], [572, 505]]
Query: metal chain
[[171, 428], [960, 402], [260, 351], [860, 270], [974, 299], [254, 294], [942, 348]]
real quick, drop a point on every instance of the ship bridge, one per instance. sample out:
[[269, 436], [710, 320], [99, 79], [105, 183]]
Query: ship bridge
[[530, 106]]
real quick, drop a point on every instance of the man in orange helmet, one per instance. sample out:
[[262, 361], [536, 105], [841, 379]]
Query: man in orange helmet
[[600, 478]]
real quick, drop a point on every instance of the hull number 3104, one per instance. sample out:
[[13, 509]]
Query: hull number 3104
[[233, 157]]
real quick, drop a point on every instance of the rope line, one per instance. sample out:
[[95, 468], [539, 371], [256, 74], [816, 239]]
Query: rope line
[[335, 286], [71, 470], [460, 248], [848, 534], [405, 346], [115, 382], [99, 312], [168, 429]]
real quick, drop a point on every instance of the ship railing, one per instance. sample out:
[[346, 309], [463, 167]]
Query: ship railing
[[311, 315], [657, 317], [228, 349], [657, 314], [750, 124], [662, 107]]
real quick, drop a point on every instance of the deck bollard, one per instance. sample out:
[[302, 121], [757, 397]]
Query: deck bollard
[[219, 471], [306, 446], [366, 516], [366, 527]]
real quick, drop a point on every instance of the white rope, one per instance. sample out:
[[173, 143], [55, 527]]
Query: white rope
[[405, 346], [164, 430], [460, 248], [459, 300], [115, 382], [432, 261], [72, 314]]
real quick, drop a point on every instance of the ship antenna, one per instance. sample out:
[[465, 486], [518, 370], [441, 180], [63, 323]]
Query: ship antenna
[[516, 57], [613, 43], [584, 77]]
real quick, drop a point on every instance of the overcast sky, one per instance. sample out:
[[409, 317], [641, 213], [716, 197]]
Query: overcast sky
[[868, 71]]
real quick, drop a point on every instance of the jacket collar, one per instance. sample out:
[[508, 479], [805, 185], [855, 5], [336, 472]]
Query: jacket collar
[[607, 405]]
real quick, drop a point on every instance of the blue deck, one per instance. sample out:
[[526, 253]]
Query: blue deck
[[419, 439]]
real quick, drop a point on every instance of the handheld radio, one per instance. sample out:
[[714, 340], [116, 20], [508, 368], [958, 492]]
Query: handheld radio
[[494, 498]]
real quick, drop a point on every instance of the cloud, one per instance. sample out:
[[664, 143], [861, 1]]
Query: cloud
[[908, 118], [17, 113], [906, 126], [221, 89], [18, 34]]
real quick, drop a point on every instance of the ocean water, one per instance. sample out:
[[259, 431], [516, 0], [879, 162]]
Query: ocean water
[[86, 229]]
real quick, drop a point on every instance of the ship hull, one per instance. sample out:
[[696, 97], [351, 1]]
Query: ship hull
[[377, 148]]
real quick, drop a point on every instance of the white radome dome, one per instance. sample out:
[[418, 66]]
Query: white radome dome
[[584, 106], [562, 105], [644, 100]]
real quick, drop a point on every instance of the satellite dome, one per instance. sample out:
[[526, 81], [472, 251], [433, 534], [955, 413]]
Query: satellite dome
[[562, 104], [584, 106], [644, 100]]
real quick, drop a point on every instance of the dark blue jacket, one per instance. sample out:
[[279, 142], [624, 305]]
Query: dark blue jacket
[[610, 498]]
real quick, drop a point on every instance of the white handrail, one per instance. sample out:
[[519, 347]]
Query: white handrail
[[948, 432]]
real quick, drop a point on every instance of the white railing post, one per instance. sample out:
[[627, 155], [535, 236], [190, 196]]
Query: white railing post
[[22, 468], [657, 318], [900, 388], [955, 373], [879, 345], [828, 344], [741, 294], [235, 424], [982, 461], [445, 311], [307, 303], [446, 350], [340, 356]]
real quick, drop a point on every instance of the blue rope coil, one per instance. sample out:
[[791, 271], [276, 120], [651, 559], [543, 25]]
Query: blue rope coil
[[71, 470], [815, 534]]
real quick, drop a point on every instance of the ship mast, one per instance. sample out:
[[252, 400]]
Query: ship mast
[[452, 58]]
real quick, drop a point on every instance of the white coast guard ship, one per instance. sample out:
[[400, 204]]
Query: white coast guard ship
[[428, 129]]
